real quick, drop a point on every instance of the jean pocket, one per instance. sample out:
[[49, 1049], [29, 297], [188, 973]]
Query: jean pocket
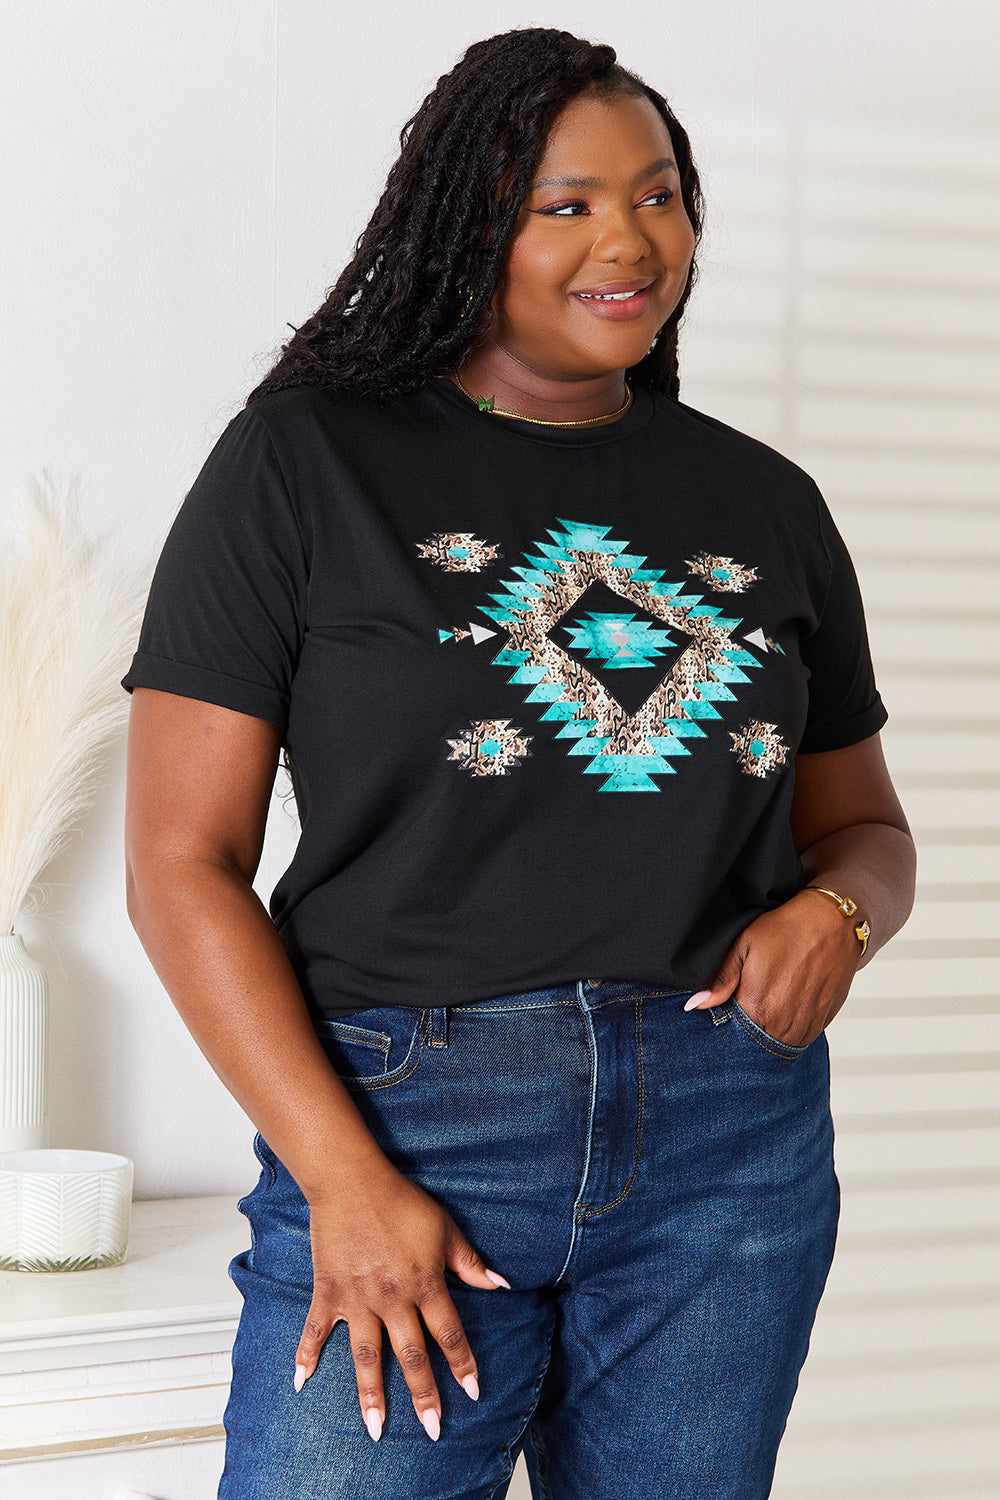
[[375, 1055], [768, 1043]]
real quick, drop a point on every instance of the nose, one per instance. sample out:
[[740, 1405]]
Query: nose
[[620, 238]]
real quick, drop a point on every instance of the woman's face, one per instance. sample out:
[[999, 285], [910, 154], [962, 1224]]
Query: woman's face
[[604, 216]]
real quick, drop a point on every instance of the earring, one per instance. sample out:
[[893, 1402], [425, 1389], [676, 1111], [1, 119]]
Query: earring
[[468, 301]]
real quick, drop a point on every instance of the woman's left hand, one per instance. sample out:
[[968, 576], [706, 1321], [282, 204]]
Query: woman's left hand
[[790, 970]]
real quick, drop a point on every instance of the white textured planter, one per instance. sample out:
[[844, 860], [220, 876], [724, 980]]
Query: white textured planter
[[63, 1210], [23, 1037]]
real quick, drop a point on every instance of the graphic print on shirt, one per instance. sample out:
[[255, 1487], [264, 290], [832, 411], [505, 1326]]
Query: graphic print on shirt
[[721, 573], [583, 609], [490, 747], [459, 551], [458, 633], [759, 748]]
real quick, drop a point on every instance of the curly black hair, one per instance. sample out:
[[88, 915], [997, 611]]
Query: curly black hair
[[416, 297]]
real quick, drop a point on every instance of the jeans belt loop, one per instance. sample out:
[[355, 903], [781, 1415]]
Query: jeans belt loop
[[439, 1026]]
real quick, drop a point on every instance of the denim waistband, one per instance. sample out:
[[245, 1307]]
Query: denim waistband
[[590, 994]]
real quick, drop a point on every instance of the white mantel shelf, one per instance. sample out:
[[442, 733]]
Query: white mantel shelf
[[128, 1356]]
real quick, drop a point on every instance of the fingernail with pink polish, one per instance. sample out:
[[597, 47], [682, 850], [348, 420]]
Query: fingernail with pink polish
[[432, 1424], [697, 999], [470, 1385], [301, 1375], [373, 1421], [498, 1280]]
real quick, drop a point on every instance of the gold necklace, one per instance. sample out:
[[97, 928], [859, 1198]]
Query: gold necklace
[[486, 403]]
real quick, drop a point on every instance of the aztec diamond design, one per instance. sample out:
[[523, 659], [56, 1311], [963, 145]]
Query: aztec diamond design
[[615, 638], [628, 748], [459, 551], [490, 747], [721, 574], [606, 633], [759, 748], [618, 642]]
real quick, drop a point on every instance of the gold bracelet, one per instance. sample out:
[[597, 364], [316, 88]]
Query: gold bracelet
[[848, 907]]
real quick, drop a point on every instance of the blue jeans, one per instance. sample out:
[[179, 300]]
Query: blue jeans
[[658, 1188]]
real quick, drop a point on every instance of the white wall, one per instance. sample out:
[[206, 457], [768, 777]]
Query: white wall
[[182, 180]]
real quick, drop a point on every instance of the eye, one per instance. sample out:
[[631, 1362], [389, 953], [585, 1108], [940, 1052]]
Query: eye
[[561, 210], [665, 193]]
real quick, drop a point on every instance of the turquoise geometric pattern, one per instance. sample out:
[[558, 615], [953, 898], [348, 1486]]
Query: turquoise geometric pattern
[[759, 748], [619, 640], [627, 750], [721, 573], [459, 551], [490, 747]]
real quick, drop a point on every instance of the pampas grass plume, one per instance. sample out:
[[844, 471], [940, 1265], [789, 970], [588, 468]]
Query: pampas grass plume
[[70, 610]]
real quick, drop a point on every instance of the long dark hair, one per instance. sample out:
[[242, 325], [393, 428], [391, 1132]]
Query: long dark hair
[[416, 297]]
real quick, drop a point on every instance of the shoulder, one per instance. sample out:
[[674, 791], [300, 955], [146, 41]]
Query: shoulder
[[316, 405], [736, 451]]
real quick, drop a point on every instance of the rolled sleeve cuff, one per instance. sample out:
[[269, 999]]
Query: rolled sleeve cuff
[[820, 737], [188, 681]]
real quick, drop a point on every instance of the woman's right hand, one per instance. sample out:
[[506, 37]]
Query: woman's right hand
[[379, 1257]]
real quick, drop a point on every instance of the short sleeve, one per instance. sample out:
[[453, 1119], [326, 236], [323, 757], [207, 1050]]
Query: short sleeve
[[844, 704], [226, 608]]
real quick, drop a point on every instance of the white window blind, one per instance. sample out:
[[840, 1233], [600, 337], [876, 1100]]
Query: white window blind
[[849, 315]]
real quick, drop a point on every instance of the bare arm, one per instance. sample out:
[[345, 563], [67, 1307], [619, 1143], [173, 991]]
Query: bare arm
[[792, 968], [849, 827], [199, 784]]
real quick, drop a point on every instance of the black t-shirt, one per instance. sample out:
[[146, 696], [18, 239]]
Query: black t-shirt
[[541, 689]]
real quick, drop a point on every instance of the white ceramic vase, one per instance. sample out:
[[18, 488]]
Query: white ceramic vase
[[23, 1047]]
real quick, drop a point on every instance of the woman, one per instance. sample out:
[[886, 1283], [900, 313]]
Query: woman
[[467, 559]]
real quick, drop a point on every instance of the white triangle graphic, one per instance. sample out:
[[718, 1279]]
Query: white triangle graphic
[[756, 638], [479, 632]]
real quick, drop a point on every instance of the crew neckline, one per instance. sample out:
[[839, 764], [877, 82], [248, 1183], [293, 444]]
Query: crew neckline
[[624, 426]]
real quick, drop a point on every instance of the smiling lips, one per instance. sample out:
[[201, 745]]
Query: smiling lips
[[618, 300]]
